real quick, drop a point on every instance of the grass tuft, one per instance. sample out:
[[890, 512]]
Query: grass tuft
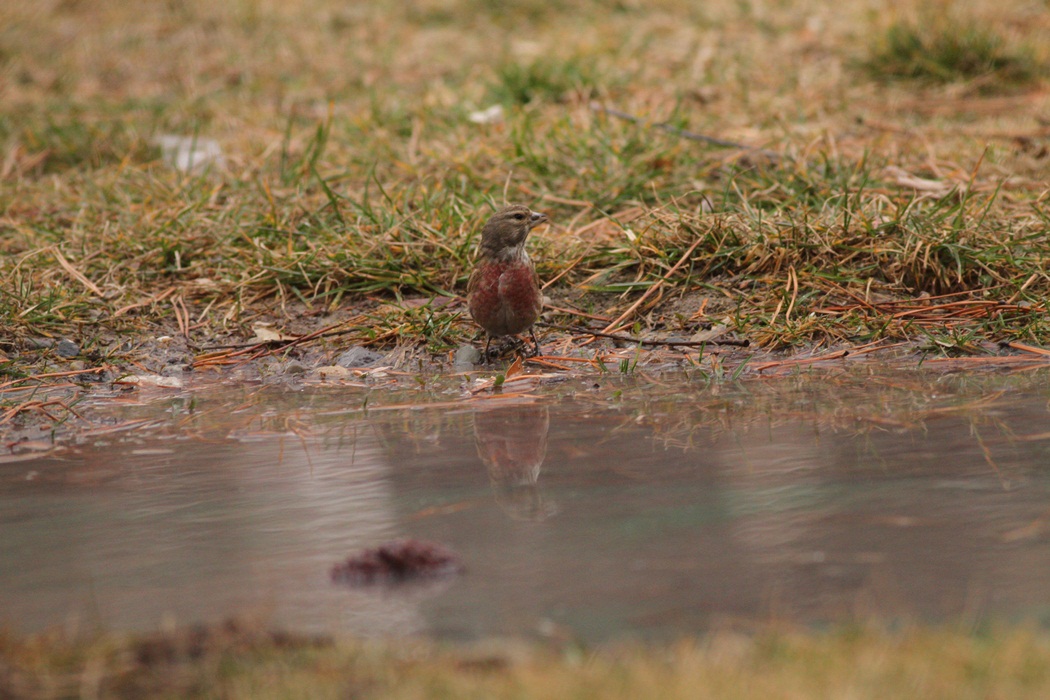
[[947, 51], [544, 79]]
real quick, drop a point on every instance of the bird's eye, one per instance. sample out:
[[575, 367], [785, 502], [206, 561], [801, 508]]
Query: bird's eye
[[519, 216]]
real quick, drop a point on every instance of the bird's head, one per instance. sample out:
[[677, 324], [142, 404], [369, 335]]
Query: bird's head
[[504, 234]]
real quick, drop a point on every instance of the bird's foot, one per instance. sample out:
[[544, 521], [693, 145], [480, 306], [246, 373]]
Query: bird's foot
[[504, 345], [508, 345]]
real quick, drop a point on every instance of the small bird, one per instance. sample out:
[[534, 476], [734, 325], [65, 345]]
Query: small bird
[[503, 293]]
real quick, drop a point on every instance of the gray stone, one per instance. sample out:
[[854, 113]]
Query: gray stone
[[66, 348], [358, 357], [466, 357]]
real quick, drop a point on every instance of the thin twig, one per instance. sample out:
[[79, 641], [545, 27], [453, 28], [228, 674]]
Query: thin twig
[[52, 375], [645, 341], [649, 292], [38, 406], [1028, 348], [182, 315], [76, 274], [270, 345], [577, 312], [691, 135], [152, 300]]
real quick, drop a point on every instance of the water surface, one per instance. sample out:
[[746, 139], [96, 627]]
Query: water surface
[[595, 507]]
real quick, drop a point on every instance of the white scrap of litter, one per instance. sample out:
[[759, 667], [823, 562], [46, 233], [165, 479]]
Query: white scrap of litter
[[151, 380], [489, 115], [719, 329], [265, 333], [189, 153], [332, 372]]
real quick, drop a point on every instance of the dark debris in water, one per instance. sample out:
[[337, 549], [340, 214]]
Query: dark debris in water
[[396, 562]]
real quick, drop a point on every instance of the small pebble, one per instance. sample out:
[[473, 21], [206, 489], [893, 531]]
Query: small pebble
[[150, 380], [466, 357], [67, 348], [358, 357]]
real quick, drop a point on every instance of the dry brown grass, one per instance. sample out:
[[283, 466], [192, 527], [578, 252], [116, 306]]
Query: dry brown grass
[[233, 662], [352, 171]]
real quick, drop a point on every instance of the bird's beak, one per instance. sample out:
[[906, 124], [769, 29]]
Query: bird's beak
[[537, 219]]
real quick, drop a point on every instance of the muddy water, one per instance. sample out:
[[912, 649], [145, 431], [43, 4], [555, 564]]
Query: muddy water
[[591, 508]]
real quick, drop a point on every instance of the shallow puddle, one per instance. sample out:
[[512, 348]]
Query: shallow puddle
[[590, 508]]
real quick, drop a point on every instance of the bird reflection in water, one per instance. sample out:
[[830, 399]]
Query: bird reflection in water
[[512, 442]]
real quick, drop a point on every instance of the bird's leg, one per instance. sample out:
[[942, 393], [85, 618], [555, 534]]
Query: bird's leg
[[485, 355], [535, 342]]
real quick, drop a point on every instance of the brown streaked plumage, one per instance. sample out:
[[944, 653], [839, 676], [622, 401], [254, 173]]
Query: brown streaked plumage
[[503, 294]]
